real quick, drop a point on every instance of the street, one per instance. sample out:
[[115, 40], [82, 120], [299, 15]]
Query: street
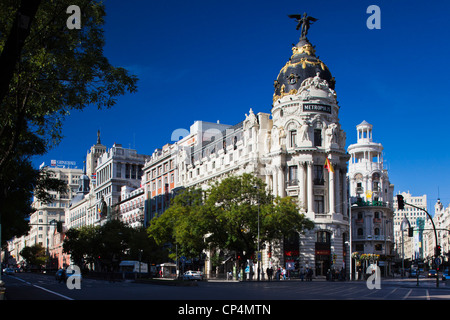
[[28, 286]]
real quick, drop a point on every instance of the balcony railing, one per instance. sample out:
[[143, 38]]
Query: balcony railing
[[292, 183]]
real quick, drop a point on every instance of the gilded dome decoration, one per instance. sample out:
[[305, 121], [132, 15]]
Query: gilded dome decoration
[[302, 65]]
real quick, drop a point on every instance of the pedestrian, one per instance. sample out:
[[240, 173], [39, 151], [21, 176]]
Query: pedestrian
[[309, 274], [302, 273], [283, 273]]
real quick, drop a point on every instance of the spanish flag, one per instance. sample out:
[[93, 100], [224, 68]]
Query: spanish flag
[[328, 165]]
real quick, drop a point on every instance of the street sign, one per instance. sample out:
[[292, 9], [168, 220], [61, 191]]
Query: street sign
[[438, 261]]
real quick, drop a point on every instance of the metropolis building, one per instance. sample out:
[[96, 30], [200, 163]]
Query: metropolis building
[[287, 148]]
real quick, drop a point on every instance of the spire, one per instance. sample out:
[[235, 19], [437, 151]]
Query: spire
[[98, 137]]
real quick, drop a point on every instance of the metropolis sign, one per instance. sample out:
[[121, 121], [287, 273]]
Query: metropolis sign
[[316, 107]]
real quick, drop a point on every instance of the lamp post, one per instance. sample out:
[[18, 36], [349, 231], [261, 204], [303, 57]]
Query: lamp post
[[258, 253], [405, 222], [401, 204]]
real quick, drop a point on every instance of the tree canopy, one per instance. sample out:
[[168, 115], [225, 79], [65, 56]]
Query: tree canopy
[[57, 70], [107, 245], [226, 216]]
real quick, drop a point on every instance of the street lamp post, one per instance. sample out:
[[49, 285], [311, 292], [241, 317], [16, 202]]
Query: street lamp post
[[401, 204], [258, 254], [405, 222]]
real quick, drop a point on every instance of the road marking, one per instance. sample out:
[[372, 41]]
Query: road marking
[[407, 295], [55, 293], [21, 280], [428, 294]]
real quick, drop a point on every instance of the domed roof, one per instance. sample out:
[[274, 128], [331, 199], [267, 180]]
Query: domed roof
[[302, 65]]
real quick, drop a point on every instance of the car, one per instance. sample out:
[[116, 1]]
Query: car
[[9, 271], [60, 275], [445, 275], [431, 273], [192, 275], [74, 275]]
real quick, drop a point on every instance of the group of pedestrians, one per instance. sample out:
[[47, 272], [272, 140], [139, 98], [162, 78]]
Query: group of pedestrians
[[283, 274]]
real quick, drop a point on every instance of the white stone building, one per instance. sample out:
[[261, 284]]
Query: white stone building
[[40, 231], [372, 217], [409, 247], [288, 149]]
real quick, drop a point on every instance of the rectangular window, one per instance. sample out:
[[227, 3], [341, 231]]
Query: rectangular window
[[292, 176], [118, 170], [319, 204], [127, 171], [318, 175], [293, 138], [317, 137]]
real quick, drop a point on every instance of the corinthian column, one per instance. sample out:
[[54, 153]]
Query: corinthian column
[[309, 187]]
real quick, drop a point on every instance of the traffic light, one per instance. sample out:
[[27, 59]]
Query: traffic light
[[400, 202], [437, 251], [410, 231], [59, 226]]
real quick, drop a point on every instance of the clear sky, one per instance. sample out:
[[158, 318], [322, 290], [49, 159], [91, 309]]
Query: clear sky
[[214, 60]]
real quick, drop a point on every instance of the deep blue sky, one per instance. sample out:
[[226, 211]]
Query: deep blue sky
[[214, 60]]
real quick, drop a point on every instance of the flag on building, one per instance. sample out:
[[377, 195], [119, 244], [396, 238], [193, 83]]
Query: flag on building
[[328, 165]]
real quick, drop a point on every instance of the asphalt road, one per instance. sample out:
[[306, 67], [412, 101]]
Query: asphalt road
[[27, 286]]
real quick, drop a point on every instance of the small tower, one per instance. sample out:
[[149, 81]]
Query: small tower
[[371, 192], [368, 178], [364, 130]]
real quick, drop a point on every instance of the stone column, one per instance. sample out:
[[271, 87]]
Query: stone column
[[345, 196], [275, 182], [331, 192], [301, 184], [309, 187], [281, 187], [337, 189]]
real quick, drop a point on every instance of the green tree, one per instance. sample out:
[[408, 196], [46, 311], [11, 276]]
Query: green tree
[[35, 255], [81, 243], [144, 248], [57, 70], [113, 243], [226, 217], [183, 225], [236, 203]]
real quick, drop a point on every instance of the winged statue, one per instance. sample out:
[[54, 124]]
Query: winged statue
[[303, 22]]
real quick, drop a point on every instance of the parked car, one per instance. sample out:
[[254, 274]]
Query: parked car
[[192, 275], [431, 273]]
